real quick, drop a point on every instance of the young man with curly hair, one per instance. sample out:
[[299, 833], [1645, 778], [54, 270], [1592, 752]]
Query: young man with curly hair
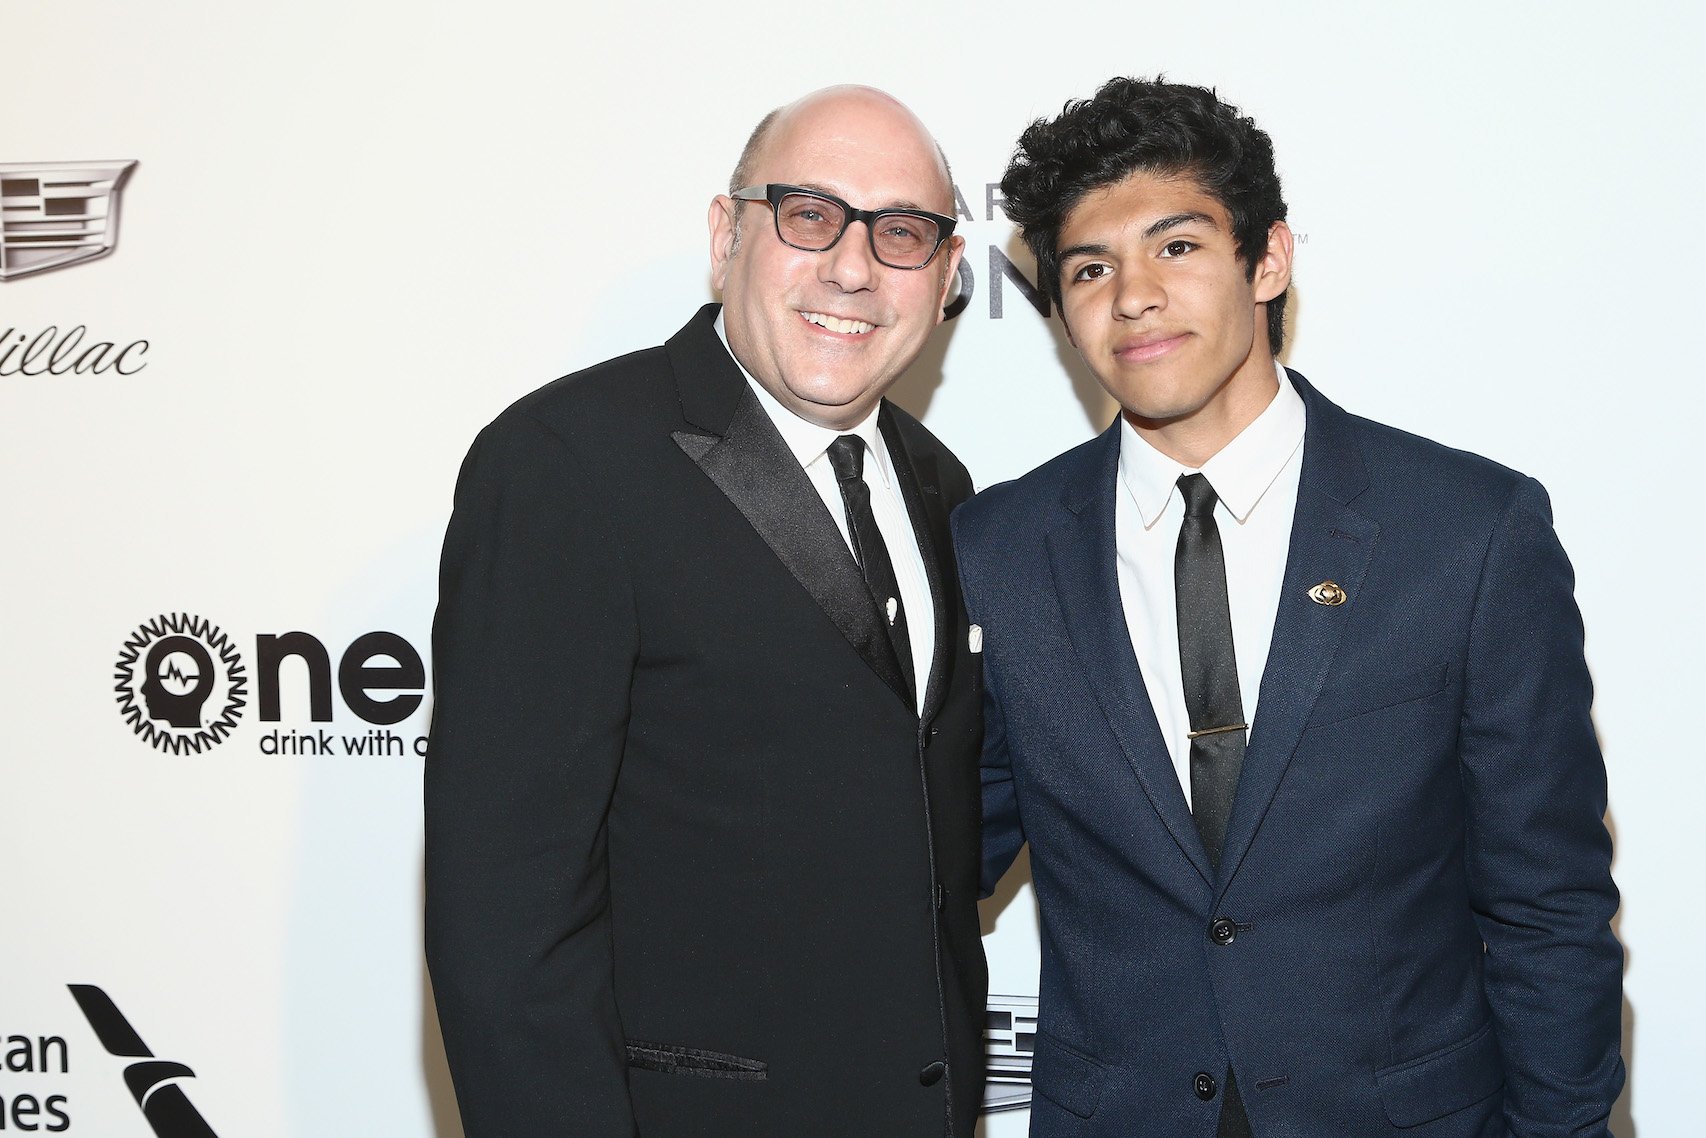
[[1291, 707]]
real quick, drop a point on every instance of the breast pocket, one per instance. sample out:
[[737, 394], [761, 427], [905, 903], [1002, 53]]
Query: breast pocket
[[1378, 691]]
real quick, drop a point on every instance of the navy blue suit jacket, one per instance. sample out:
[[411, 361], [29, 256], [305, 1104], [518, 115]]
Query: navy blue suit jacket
[[1416, 864]]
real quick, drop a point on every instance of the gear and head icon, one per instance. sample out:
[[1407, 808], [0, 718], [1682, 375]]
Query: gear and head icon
[[181, 684]]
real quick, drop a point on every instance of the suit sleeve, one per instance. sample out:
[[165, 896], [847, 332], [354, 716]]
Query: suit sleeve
[[533, 646], [1539, 854], [1002, 833]]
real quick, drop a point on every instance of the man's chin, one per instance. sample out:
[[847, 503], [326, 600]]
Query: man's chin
[[835, 406], [1151, 417]]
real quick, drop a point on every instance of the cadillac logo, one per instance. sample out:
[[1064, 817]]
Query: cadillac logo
[[57, 214]]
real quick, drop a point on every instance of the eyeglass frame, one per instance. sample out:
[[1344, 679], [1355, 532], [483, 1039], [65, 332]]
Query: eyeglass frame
[[774, 192]]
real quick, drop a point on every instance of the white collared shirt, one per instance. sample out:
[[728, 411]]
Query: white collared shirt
[[810, 445], [1255, 477]]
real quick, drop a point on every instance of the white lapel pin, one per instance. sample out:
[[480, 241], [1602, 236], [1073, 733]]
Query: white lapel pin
[[894, 607], [974, 639], [1328, 593]]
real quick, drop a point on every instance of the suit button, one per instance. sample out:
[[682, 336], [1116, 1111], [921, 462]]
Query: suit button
[[932, 1074], [941, 895], [1223, 931], [1203, 1084]]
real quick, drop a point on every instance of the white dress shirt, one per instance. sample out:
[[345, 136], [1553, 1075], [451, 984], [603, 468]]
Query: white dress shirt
[[810, 445], [1255, 477]]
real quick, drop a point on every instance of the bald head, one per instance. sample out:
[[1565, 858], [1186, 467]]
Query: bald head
[[827, 329], [848, 110]]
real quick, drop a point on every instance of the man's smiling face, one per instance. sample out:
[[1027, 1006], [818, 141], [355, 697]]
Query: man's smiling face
[[828, 333]]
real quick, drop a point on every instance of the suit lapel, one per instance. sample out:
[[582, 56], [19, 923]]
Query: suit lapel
[[921, 489], [1330, 541], [1082, 557], [739, 449]]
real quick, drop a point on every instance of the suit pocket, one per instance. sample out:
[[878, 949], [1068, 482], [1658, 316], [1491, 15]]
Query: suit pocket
[[1442, 1082], [1375, 692], [674, 1060], [1067, 1078]]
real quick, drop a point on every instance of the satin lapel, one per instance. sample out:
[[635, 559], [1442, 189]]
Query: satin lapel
[[1082, 556], [754, 468], [1329, 542], [921, 489]]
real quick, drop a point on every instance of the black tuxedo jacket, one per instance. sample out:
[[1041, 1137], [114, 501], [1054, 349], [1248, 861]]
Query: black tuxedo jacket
[[695, 864], [1408, 932]]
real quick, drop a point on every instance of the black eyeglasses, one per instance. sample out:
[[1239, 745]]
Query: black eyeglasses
[[812, 221]]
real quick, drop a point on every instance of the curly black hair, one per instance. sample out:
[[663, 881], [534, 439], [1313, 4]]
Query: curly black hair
[[1153, 126]]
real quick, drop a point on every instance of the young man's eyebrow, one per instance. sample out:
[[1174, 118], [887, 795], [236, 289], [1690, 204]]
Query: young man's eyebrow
[[1156, 228], [1088, 250], [1174, 220]]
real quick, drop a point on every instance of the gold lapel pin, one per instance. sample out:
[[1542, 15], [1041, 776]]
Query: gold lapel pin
[[1328, 593]]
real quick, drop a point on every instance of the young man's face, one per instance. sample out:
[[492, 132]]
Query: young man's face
[[1166, 315]]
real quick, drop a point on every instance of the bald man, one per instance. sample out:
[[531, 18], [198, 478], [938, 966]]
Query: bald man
[[702, 791]]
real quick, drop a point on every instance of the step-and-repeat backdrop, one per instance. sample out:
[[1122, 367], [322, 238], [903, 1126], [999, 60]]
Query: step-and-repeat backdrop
[[267, 268]]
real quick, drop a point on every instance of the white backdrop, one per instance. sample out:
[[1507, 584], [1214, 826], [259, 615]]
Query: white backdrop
[[357, 230]]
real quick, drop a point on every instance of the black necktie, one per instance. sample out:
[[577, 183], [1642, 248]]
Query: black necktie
[[847, 456], [1207, 665], [1212, 699]]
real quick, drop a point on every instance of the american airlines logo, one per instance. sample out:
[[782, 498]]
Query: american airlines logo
[[155, 1084], [54, 214], [1009, 1039]]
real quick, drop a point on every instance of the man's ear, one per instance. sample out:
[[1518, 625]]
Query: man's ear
[[721, 221], [950, 274], [1273, 270]]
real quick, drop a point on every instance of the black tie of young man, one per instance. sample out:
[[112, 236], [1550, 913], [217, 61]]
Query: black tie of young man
[[1209, 669]]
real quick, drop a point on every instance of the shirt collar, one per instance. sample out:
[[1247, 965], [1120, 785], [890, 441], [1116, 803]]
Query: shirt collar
[[1240, 472], [809, 441]]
